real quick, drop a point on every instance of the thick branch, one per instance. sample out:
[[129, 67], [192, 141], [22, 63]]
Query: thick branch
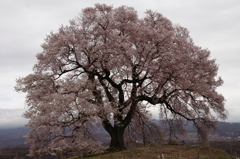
[[152, 100]]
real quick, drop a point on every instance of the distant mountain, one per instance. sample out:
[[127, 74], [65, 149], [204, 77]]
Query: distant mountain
[[12, 137], [228, 127], [221, 127]]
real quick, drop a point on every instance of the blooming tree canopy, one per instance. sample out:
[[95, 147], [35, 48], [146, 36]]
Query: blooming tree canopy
[[107, 65]]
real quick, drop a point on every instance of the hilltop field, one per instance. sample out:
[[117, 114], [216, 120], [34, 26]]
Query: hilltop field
[[163, 152]]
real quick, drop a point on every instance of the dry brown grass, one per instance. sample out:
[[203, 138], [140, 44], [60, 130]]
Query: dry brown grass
[[168, 151]]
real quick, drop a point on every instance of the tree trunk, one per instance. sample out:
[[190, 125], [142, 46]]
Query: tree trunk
[[116, 132], [117, 142]]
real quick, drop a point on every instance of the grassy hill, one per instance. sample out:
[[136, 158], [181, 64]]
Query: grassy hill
[[167, 151]]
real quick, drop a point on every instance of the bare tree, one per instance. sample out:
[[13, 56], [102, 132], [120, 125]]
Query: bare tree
[[105, 65]]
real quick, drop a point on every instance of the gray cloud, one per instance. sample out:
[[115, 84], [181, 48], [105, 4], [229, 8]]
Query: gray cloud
[[10, 118], [24, 25]]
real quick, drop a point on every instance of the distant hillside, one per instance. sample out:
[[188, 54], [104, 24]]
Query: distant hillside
[[228, 127], [221, 127], [12, 137]]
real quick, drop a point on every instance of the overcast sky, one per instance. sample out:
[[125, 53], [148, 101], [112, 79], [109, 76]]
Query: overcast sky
[[213, 24]]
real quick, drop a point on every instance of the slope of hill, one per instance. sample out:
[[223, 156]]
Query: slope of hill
[[12, 137], [164, 151]]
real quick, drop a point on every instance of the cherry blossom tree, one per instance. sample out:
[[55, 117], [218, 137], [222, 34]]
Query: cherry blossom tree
[[107, 64]]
